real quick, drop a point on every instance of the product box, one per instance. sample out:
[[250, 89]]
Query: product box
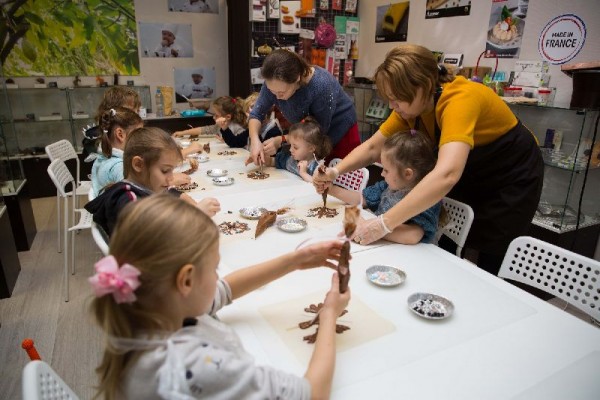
[[453, 59], [532, 79], [289, 19], [532, 66], [273, 9], [258, 11]]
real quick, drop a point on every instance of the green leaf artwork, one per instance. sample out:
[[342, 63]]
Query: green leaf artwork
[[68, 37]]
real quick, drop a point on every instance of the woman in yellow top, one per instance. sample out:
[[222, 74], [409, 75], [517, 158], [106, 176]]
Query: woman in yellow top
[[486, 157]]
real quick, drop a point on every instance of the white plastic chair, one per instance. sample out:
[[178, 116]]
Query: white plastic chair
[[60, 175], [63, 150], [41, 382], [569, 276], [460, 218], [354, 180], [99, 238]]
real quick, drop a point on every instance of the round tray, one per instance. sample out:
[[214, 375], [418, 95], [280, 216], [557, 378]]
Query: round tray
[[252, 212], [223, 181], [184, 142], [200, 157], [384, 275], [430, 306], [215, 173], [291, 224]]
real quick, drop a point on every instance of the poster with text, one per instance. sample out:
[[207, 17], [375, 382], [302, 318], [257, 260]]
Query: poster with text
[[195, 6], [506, 27], [166, 40], [194, 83], [392, 22], [447, 8], [45, 38]]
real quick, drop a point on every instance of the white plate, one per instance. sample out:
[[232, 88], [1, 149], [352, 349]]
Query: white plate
[[184, 143], [216, 172], [200, 157], [252, 212], [384, 275], [223, 181], [291, 224], [430, 306]]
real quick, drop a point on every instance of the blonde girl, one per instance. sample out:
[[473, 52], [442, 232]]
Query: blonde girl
[[160, 278], [406, 158], [149, 157], [115, 124], [307, 144]]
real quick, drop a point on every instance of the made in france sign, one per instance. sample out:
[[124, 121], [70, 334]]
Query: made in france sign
[[562, 39]]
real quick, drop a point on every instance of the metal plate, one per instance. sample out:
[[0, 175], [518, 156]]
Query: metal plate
[[223, 181], [430, 306], [216, 172], [384, 275], [292, 224], [184, 143], [252, 212], [200, 157]]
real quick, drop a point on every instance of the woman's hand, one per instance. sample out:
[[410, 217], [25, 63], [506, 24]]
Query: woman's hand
[[319, 255], [257, 152], [179, 178], [194, 148], [270, 146], [369, 230], [323, 181], [210, 206]]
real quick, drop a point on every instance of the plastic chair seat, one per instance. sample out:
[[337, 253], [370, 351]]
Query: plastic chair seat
[[41, 382], [354, 180], [460, 219]]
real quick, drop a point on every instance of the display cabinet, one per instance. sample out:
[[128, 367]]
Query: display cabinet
[[569, 211], [371, 111]]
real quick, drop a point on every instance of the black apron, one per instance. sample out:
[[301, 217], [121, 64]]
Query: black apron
[[502, 182]]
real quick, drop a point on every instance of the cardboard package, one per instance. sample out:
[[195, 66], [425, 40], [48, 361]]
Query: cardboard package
[[168, 95]]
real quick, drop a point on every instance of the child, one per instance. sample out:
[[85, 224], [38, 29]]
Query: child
[[115, 124], [114, 97], [149, 157], [229, 116], [406, 158], [307, 145], [160, 277], [270, 126], [167, 47]]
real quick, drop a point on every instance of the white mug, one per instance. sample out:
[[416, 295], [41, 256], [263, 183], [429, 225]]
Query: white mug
[[142, 112]]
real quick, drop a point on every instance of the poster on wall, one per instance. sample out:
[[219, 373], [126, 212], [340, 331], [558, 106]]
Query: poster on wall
[[506, 27], [392, 22], [446, 8], [195, 6], [40, 38], [166, 40], [194, 83]]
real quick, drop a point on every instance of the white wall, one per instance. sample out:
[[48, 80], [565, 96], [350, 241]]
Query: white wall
[[467, 35]]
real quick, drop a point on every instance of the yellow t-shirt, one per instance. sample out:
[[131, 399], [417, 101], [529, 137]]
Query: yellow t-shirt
[[466, 112]]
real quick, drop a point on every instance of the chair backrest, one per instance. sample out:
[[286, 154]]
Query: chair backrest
[[40, 381], [63, 150], [354, 180], [460, 218], [61, 176], [569, 276]]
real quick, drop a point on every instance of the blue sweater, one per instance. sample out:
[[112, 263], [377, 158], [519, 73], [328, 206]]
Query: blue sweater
[[379, 198], [323, 98]]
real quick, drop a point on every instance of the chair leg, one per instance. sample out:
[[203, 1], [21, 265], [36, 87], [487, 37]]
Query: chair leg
[[65, 250], [58, 227], [72, 234]]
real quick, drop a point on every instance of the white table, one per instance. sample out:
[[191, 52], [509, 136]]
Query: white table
[[500, 343]]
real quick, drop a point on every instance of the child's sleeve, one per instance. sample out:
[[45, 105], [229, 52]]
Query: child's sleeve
[[223, 297], [428, 220], [281, 158], [240, 140], [372, 195]]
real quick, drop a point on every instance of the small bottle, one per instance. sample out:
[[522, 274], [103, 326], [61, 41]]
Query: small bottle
[[160, 106]]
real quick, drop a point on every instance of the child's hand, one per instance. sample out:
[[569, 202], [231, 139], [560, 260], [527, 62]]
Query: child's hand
[[179, 178], [319, 254], [210, 206], [179, 134], [270, 146], [303, 165], [222, 122], [194, 147], [334, 300], [323, 181]]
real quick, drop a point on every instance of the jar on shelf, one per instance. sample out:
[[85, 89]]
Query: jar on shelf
[[543, 96]]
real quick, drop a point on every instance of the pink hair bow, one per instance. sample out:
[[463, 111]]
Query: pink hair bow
[[120, 282]]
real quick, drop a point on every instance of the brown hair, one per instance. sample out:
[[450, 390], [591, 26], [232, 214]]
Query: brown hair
[[309, 130], [411, 149], [148, 143], [406, 68], [148, 236], [118, 96], [231, 105], [119, 117], [286, 66]]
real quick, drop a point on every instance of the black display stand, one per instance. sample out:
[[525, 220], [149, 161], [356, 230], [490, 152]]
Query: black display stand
[[9, 258], [21, 217], [172, 124]]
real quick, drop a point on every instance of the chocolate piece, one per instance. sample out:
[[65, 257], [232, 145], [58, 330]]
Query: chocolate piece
[[350, 217], [230, 228], [227, 153], [258, 175], [321, 212], [193, 166], [206, 147], [186, 187], [266, 220]]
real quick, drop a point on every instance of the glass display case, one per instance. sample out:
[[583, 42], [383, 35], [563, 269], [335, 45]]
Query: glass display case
[[571, 151], [11, 168]]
